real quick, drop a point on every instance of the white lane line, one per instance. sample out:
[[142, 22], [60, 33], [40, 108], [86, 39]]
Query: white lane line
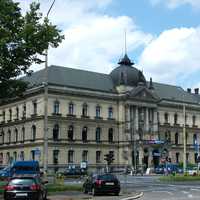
[[195, 189], [190, 196], [185, 192], [163, 192]]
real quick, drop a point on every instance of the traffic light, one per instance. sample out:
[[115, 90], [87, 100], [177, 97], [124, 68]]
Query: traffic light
[[109, 157]]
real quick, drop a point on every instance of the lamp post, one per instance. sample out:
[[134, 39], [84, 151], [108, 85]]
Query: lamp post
[[184, 141], [45, 151]]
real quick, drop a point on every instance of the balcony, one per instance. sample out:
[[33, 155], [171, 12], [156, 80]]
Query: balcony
[[57, 114], [71, 116]]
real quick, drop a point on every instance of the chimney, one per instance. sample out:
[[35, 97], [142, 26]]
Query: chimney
[[196, 90], [189, 90]]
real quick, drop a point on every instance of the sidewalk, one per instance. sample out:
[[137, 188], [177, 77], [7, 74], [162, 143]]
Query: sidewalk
[[66, 196]]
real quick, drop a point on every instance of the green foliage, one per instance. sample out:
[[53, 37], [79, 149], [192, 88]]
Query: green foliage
[[23, 40], [180, 178]]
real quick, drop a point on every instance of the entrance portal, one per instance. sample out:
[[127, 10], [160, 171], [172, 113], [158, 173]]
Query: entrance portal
[[156, 157]]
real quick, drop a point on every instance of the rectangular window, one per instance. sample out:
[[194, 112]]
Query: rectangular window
[[10, 115], [24, 111], [70, 156], [110, 112], [22, 155], [177, 157], [85, 156], [71, 108], [98, 156], [15, 156], [32, 154], [34, 107], [98, 111], [4, 116], [17, 113], [55, 156]]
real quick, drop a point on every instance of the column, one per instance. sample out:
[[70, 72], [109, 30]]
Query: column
[[155, 121], [136, 118], [141, 156], [147, 119]]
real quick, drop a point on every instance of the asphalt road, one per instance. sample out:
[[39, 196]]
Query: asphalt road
[[153, 189]]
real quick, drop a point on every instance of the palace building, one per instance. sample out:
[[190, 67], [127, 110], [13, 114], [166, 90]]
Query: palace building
[[91, 114]]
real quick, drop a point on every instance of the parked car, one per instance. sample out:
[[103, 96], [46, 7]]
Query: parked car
[[192, 171], [26, 167], [29, 187], [5, 173], [74, 171], [105, 183]]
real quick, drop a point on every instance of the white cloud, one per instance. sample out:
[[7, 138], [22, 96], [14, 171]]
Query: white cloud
[[92, 39], [176, 3], [173, 53]]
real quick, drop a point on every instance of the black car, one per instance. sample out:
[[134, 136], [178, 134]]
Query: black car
[[25, 187], [104, 183]]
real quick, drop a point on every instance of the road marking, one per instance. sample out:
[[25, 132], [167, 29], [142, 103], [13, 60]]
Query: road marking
[[163, 192], [195, 189], [190, 196], [134, 197]]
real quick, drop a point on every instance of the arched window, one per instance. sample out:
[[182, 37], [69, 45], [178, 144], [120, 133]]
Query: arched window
[[71, 133], [16, 136], [110, 135], [195, 139], [56, 132], [175, 118], [2, 137], [33, 133], [167, 136], [56, 107], [98, 111], [85, 110], [23, 135], [193, 120], [84, 134], [98, 134], [9, 136], [176, 138], [166, 118]]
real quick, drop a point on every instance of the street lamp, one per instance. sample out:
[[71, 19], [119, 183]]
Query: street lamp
[[45, 151]]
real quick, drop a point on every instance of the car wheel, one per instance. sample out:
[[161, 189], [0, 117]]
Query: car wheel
[[93, 191], [40, 197], [116, 193], [45, 196]]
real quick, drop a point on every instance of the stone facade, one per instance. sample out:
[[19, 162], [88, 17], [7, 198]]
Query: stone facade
[[137, 125]]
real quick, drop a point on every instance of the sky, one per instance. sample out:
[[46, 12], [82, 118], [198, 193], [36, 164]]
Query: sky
[[162, 36]]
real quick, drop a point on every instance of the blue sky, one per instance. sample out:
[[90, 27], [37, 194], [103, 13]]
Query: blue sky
[[163, 36]]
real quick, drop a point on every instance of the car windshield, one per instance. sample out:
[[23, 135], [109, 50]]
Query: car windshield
[[106, 177], [24, 181], [24, 168]]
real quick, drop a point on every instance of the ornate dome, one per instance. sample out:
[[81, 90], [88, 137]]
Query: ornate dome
[[126, 74]]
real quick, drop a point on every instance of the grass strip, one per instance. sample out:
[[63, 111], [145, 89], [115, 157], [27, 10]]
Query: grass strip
[[179, 178]]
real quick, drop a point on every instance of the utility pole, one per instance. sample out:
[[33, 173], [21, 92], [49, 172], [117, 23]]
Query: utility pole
[[184, 141], [45, 151]]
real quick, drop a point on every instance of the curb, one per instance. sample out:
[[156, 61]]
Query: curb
[[134, 197]]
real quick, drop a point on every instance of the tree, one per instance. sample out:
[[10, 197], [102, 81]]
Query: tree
[[23, 39]]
